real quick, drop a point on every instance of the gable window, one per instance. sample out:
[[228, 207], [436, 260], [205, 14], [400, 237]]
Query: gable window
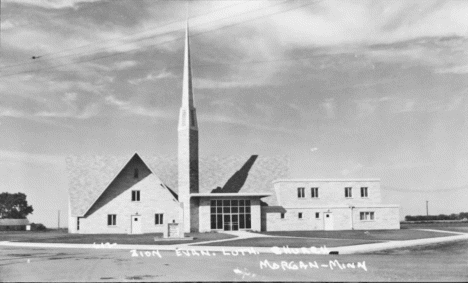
[[317, 215], [135, 173], [135, 195], [367, 215], [348, 193], [300, 192], [158, 219], [111, 219], [314, 192], [299, 215], [282, 215], [364, 192]]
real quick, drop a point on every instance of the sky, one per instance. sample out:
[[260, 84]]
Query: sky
[[346, 89]]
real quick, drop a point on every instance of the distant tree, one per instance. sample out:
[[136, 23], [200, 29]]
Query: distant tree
[[14, 206]]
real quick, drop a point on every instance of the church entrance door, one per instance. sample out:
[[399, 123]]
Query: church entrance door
[[136, 224]]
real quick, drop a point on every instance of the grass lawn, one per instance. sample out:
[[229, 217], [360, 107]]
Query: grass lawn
[[458, 248], [447, 226], [123, 239], [372, 235], [291, 242]]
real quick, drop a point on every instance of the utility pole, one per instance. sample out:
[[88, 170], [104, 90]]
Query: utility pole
[[58, 220], [427, 208]]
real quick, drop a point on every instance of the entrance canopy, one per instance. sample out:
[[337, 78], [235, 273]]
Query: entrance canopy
[[237, 195]]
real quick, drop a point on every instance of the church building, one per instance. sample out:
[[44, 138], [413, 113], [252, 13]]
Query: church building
[[136, 194]]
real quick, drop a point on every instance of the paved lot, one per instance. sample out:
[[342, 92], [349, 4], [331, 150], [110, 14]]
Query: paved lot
[[442, 262]]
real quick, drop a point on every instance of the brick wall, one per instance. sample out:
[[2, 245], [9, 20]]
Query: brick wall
[[117, 199], [385, 217], [331, 192]]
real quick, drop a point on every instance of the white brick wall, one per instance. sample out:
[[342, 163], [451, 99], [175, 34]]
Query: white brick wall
[[117, 200], [384, 218]]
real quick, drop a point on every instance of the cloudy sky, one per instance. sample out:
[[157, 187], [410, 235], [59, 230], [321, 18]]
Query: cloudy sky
[[345, 88]]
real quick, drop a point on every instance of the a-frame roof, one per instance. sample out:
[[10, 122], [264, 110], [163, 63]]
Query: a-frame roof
[[90, 175]]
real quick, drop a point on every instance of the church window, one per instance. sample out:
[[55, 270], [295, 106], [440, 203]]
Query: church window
[[367, 216], [282, 215], [158, 219], [135, 195], [314, 192], [135, 173], [299, 215], [317, 215], [112, 219], [230, 215], [348, 192], [364, 192], [300, 192], [77, 223]]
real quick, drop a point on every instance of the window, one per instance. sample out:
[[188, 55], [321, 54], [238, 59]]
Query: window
[[111, 219], [77, 223], [230, 214], [299, 215], [367, 215], [314, 192], [317, 215], [158, 219], [364, 192], [282, 215], [348, 193], [135, 173], [135, 195], [300, 192]]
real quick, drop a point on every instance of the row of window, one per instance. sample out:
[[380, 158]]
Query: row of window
[[367, 215], [112, 220], [314, 192]]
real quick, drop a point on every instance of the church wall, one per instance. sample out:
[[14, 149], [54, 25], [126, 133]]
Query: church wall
[[385, 217], [118, 200], [331, 192]]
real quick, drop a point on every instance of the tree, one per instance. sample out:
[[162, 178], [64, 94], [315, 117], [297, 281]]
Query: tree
[[14, 206]]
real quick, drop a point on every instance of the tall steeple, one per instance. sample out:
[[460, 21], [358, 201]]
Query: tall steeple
[[188, 145]]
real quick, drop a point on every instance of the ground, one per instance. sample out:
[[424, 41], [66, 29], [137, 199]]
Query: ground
[[54, 236], [446, 262], [440, 262]]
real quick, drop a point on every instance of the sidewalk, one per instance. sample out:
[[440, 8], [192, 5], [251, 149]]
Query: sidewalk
[[195, 246]]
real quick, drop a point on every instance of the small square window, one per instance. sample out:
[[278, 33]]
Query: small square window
[[299, 215], [317, 215], [282, 215]]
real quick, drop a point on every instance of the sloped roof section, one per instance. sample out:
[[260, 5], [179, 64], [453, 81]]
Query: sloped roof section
[[89, 175]]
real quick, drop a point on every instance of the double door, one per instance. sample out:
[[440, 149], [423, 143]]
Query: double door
[[231, 222]]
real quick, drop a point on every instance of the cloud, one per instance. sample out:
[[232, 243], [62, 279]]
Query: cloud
[[10, 112], [138, 110], [6, 25], [51, 4], [152, 77], [213, 84], [125, 64], [25, 157]]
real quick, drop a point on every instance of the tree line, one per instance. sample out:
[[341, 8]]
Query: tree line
[[453, 216]]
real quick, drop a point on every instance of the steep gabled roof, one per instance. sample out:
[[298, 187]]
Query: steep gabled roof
[[90, 175]]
